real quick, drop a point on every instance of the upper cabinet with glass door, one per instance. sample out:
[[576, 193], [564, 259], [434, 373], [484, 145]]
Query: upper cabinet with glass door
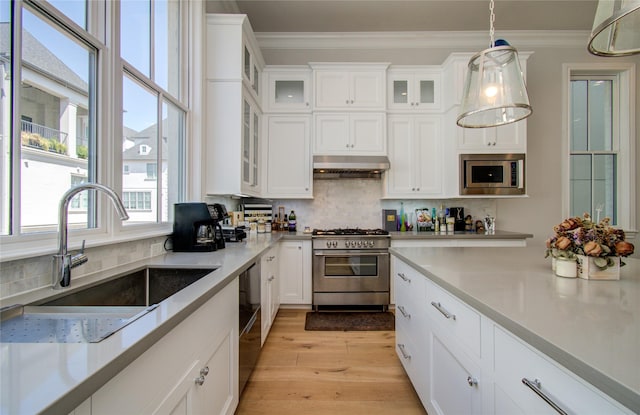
[[237, 55], [288, 89], [413, 88]]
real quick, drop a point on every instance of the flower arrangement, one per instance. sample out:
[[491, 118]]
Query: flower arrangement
[[582, 236]]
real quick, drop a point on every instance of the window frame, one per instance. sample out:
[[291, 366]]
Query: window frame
[[103, 33], [624, 140]]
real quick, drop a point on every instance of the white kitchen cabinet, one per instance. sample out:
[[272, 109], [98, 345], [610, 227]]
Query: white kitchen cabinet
[[349, 86], [232, 52], [232, 133], [455, 384], [270, 289], [288, 89], [516, 362], [509, 138], [193, 369], [295, 272], [289, 169], [349, 133], [474, 365], [413, 89], [415, 155]]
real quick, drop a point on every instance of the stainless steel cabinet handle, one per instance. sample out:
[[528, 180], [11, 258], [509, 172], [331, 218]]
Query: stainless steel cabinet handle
[[404, 312], [404, 353], [472, 381], [536, 386], [204, 371], [401, 275], [443, 310], [200, 380]]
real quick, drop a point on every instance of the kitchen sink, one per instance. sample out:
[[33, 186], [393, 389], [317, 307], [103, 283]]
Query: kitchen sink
[[92, 314]]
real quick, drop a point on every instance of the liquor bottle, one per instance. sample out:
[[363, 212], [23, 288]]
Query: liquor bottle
[[292, 221], [403, 220]]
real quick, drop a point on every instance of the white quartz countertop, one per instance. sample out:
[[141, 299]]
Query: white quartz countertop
[[54, 378], [590, 327], [498, 234]]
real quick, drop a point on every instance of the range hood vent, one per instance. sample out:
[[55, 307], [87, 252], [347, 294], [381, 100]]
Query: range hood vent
[[349, 167]]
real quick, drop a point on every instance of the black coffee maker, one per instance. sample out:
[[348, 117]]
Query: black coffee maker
[[219, 214], [194, 228]]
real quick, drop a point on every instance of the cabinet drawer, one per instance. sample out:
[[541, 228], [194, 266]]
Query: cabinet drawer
[[414, 357], [515, 361], [454, 316], [409, 286]]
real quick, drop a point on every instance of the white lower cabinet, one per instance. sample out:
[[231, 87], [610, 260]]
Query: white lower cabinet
[[191, 370], [269, 290], [295, 272], [461, 362]]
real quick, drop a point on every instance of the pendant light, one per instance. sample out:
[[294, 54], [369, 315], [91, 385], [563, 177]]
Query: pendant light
[[494, 91], [616, 28]]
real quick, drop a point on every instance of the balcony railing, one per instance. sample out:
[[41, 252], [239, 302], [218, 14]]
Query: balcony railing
[[44, 132], [43, 138]]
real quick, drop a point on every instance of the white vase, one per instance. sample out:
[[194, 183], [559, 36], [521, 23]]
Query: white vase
[[567, 268]]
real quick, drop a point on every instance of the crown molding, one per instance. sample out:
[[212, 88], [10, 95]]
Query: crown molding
[[472, 40]]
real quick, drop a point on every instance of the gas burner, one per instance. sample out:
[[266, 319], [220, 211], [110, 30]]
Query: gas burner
[[349, 231]]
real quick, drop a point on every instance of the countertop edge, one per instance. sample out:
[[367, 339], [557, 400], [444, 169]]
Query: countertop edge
[[601, 381], [459, 235]]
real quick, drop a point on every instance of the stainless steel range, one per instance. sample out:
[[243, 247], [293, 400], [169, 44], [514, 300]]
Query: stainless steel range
[[350, 267]]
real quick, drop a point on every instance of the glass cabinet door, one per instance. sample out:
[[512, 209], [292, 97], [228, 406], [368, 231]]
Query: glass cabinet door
[[289, 91], [401, 91], [427, 91]]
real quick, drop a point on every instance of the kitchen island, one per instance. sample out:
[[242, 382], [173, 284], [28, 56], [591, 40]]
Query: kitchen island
[[54, 378], [591, 328]]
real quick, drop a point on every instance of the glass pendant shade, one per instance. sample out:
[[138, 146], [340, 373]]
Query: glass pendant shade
[[494, 91], [616, 28]]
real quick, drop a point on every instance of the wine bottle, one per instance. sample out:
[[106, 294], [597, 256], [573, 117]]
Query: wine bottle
[[292, 221]]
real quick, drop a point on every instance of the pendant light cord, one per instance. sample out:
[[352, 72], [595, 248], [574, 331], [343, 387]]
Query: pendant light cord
[[492, 18]]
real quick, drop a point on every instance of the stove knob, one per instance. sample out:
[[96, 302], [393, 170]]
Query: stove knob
[[371, 244], [328, 244], [347, 244], [335, 244], [359, 243]]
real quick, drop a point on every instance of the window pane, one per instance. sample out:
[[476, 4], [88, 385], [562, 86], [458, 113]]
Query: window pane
[[167, 66], [56, 103], [400, 89], [135, 34], [140, 146], [579, 131], [5, 126], [246, 146], [75, 10], [604, 186], [580, 184], [173, 156], [600, 110]]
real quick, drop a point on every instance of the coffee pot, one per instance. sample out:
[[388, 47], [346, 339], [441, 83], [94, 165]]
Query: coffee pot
[[193, 228]]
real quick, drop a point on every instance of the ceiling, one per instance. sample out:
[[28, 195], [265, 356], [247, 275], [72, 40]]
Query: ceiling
[[414, 15]]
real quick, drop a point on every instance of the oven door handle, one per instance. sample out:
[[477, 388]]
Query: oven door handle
[[365, 253]]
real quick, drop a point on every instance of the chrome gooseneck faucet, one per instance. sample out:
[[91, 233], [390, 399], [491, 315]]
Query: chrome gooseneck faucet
[[63, 261]]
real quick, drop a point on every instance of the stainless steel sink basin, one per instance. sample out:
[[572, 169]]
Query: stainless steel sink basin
[[93, 313], [139, 288]]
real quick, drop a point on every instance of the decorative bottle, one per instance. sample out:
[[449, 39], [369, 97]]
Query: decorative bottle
[[292, 221]]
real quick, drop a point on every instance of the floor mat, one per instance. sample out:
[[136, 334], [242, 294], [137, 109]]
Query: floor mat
[[349, 321]]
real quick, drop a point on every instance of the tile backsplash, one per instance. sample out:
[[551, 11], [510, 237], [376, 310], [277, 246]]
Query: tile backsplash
[[357, 203]]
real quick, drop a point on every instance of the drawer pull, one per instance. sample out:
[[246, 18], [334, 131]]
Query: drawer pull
[[401, 275], [443, 310], [472, 381], [404, 312], [404, 353], [536, 386]]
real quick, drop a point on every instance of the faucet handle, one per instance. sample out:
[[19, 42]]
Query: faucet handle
[[79, 258]]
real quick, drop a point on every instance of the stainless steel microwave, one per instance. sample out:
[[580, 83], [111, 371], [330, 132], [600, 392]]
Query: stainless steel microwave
[[492, 174]]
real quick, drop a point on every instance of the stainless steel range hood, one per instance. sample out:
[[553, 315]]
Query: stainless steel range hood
[[349, 167]]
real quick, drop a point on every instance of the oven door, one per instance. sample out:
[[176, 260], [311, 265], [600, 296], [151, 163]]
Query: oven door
[[350, 271]]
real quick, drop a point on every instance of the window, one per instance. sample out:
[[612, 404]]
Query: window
[[137, 200], [600, 139], [58, 123], [153, 116]]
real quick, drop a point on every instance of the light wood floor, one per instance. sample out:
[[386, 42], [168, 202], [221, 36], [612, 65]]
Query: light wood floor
[[327, 372]]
